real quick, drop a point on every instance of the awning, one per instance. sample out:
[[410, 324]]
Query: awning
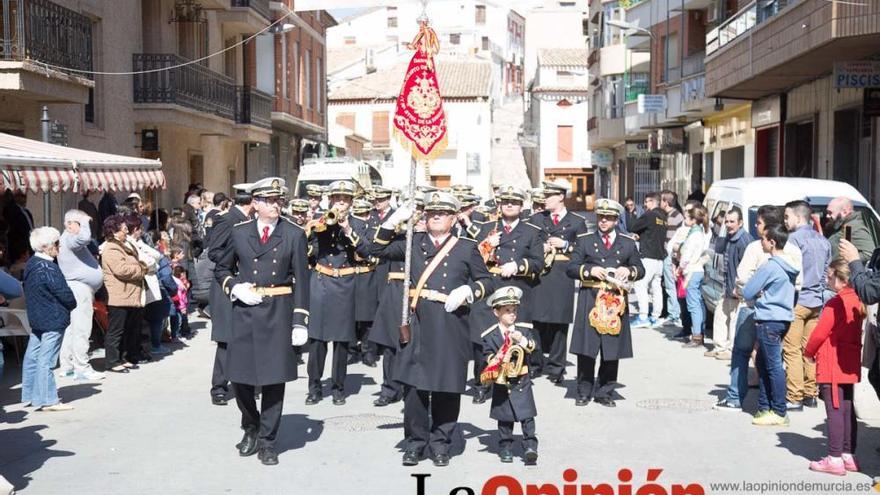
[[36, 166]]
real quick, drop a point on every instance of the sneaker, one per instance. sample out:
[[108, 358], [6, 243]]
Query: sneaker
[[724, 356], [656, 322], [770, 418], [726, 405], [67, 373], [89, 376], [794, 406], [760, 413], [672, 322], [830, 465], [850, 463], [159, 350], [711, 353], [639, 322]]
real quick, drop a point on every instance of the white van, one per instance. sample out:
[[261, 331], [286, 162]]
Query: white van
[[323, 171], [750, 193]]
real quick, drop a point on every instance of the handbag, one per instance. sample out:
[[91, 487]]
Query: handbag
[[681, 286]]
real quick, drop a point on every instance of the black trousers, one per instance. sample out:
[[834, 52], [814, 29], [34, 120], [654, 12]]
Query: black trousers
[[874, 374], [123, 340], [479, 366], [430, 419], [219, 383], [586, 377], [551, 339], [366, 350], [505, 431], [339, 366], [268, 419], [390, 387]]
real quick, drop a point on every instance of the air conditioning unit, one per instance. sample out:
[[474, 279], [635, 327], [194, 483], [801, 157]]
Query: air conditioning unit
[[369, 61]]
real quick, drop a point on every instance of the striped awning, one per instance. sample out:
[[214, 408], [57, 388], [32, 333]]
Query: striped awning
[[35, 166]]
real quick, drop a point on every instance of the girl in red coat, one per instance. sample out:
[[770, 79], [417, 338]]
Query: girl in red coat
[[836, 346]]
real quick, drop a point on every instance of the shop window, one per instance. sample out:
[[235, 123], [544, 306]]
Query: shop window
[[480, 17]]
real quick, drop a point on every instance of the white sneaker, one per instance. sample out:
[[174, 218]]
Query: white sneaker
[[65, 372], [89, 376]]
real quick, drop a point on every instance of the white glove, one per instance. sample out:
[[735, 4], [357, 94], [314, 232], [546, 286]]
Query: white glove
[[401, 214], [299, 336], [243, 293], [509, 269], [457, 297]]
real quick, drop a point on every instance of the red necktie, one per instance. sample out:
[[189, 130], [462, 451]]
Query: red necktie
[[555, 219], [436, 244], [607, 240], [265, 238], [507, 229]]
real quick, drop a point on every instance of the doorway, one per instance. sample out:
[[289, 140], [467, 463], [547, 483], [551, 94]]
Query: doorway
[[196, 169]]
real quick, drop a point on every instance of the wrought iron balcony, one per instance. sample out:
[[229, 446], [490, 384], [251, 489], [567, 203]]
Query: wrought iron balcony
[[192, 86], [259, 6], [253, 106], [43, 31]]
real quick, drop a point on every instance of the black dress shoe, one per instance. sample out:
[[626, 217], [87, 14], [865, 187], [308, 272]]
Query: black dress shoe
[[481, 395], [605, 401], [219, 400], [582, 401], [268, 456], [338, 401], [410, 458], [557, 379], [383, 401], [248, 444], [371, 364], [441, 460], [810, 402], [506, 455], [531, 457], [534, 373], [313, 399]]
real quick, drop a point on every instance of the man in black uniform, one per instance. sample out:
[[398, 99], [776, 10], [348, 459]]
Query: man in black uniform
[[447, 272], [315, 193], [261, 271], [218, 228], [299, 211], [604, 329], [336, 249], [553, 303], [513, 252], [366, 290]]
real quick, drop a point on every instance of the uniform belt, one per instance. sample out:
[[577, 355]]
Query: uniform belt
[[430, 295], [561, 257], [342, 272], [282, 290], [597, 284], [395, 276]]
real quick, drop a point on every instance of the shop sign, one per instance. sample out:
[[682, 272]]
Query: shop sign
[[638, 149], [602, 158], [651, 103], [767, 111], [862, 74]]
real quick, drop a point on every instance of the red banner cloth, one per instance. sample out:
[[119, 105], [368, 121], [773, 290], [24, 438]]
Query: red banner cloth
[[419, 119]]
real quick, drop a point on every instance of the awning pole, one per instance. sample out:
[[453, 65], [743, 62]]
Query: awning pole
[[44, 128]]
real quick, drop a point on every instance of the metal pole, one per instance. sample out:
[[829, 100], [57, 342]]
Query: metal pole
[[409, 238], [44, 128]]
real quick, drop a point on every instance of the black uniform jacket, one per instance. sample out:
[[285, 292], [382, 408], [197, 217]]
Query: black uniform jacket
[[516, 401], [217, 244], [591, 252], [554, 296], [523, 245], [436, 357], [259, 349]]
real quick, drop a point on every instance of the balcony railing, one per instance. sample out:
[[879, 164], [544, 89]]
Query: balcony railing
[[253, 106], [743, 21], [259, 6], [192, 86], [46, 32], [693, 64]]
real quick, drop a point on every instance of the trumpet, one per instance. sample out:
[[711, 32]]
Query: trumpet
[[328, 219], [501, 369]]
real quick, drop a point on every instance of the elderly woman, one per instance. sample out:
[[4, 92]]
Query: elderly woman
[[124, 280], [49, 303]]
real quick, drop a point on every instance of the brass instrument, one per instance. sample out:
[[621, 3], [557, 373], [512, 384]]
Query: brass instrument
[[501, 369], [328, 219], [487, 250]]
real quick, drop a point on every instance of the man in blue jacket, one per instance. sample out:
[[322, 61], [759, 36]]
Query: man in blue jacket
[[773, 289]]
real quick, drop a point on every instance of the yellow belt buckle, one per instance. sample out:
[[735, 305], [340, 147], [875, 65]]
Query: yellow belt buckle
[[336, 272]]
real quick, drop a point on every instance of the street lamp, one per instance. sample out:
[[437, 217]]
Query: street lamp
[[629, 27], [282, 28]]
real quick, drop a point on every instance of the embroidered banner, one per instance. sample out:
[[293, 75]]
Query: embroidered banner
[[419, 119]]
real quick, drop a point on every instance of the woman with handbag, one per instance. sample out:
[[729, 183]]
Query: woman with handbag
[[124, 280]]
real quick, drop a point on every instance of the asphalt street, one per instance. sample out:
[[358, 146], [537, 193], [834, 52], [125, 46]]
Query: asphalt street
[[156, 431]]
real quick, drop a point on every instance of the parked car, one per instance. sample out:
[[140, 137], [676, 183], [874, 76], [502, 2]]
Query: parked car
[[750, 193]]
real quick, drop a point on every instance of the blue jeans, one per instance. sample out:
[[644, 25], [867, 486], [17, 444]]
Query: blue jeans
[[695, 305], [673, 309], [769, 362], [37, 380], [743, 343]]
